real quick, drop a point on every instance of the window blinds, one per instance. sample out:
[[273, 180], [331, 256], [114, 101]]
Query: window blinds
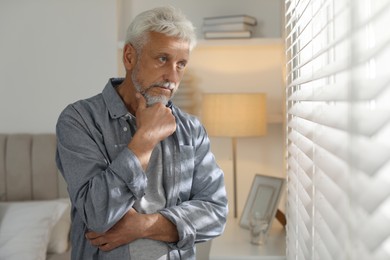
[[338, 130]]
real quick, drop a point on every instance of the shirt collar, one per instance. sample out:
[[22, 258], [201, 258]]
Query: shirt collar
[[113, 101]]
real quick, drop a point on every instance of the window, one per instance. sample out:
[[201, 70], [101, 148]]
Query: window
[[338, 129]]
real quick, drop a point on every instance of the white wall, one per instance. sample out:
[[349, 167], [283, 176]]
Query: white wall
[[52, 53]]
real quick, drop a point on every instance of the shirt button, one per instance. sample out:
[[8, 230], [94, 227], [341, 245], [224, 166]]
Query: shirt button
[[125, 128]]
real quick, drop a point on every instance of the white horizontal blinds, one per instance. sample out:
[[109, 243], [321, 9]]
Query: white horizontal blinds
[[338, 130], [371, 55]]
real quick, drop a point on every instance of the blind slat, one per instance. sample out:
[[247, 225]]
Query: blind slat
[[337, 116], [368, 90]]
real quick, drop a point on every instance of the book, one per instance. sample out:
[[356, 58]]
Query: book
[[227, 27], [230, 19], [227, 35]]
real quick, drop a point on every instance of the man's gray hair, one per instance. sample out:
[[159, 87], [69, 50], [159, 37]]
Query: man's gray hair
[[166, 20]]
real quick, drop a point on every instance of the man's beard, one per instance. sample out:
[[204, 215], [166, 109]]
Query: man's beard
[[151, 100]]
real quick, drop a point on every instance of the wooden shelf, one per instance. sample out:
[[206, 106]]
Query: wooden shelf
[[231, 42], [240, 42]]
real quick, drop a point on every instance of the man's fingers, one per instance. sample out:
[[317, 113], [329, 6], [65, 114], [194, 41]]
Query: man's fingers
[[92, 235], [107, 247], [102, 244], [141, 101], [97, 242]]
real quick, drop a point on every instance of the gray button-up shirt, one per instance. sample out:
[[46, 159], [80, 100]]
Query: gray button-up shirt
[[105, 178]]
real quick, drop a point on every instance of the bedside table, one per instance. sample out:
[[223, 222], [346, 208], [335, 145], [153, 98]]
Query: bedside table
[[234, 244]]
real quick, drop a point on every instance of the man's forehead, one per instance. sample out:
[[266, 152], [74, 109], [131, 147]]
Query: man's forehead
[[165, 43]]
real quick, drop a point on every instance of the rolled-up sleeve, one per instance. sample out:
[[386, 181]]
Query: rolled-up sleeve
[[102, 190]]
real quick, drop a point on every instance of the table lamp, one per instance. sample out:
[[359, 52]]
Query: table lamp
[[234, 115]]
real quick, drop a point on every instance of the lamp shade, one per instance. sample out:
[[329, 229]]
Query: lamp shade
[[234, 115]]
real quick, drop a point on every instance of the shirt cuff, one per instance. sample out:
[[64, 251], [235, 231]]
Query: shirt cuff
[[128, 167]]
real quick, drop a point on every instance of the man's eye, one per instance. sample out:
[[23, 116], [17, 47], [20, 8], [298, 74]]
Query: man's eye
[[162, 59], [181, 65]]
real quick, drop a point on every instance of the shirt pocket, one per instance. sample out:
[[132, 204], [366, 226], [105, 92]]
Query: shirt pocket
[[187, 166]]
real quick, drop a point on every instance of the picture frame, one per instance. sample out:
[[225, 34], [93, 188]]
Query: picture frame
[[263, 197]]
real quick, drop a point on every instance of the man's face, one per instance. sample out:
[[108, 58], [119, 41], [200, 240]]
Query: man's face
[[160, 67]]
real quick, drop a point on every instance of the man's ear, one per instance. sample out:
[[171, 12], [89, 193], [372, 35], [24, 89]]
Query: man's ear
[[129, 56]]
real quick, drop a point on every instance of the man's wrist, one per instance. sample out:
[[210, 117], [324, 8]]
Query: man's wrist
[[142, 147], [160, 228]]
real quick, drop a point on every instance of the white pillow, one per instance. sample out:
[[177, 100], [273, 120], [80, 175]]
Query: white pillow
[[59, 237], [25, 228]]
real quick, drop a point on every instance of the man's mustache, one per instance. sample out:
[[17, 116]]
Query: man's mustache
[[164, 84]]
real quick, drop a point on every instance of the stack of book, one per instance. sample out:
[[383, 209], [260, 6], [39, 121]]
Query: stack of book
[[229, 27]]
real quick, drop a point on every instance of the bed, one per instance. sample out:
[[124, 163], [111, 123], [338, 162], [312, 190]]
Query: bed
[[34, 204]]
